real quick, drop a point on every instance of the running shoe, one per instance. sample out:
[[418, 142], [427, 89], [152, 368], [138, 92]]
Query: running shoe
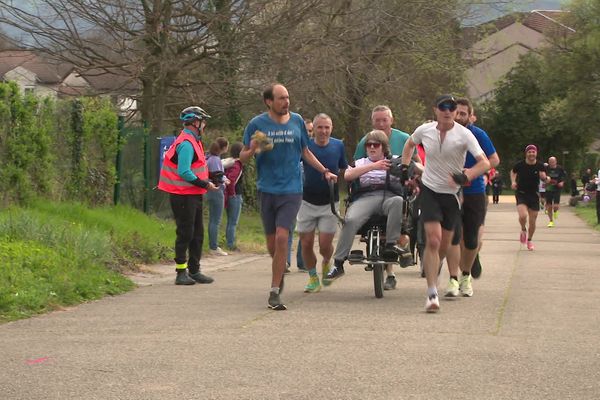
[[218, 252], [390, 283], [326, 268], [555, 215], [433, 304], [523, 237], [452, 288], [201, 278], [476, 268], [530, 245], [465, 287], [275, 302], [313, 285], [334, 273], [551, 224]]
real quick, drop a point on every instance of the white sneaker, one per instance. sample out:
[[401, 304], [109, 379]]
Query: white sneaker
[[465, 287], [218, 252], [432, 305], [452, 288]]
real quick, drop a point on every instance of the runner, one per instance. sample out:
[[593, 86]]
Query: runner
[[446, 144], [557, 176], [525, 177]]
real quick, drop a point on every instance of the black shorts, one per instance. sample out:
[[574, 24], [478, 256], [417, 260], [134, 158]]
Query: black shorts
[[278, 210], [531, 200], [442, 207], [473, 217], [552, 197]]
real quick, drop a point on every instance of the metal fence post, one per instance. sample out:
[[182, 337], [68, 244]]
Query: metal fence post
[[119, 160]]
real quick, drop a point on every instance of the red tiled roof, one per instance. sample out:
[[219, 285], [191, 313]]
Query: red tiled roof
[[47, 71]]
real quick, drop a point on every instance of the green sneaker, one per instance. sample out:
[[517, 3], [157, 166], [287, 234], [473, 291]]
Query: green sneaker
[[465, 287], [313, 285], [452, 289], [326, 269]]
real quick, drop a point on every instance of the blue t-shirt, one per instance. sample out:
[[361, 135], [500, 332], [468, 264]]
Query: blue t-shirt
[[333, 157], [278, 170], [477, 185]]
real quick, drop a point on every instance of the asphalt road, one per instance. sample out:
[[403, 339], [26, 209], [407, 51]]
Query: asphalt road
[[531, 331]]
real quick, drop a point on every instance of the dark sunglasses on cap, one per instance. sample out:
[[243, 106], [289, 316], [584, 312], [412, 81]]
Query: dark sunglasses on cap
[[447, 105], [375, 145]]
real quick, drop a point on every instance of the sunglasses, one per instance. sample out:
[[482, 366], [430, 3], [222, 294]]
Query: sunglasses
[[447, 105], [374, 145]]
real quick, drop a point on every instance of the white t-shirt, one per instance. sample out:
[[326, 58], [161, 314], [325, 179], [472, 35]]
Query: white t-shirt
[[445, 158]]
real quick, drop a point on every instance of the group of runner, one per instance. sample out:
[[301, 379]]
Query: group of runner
[[451, 189]]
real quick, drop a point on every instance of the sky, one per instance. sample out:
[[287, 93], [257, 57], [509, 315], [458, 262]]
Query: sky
[[489, 12]]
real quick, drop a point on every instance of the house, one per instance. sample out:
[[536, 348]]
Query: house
[[45, 77], [494, 48]]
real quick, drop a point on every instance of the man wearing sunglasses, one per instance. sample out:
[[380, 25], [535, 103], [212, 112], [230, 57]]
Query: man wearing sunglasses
[[382, 119], [446, 143]]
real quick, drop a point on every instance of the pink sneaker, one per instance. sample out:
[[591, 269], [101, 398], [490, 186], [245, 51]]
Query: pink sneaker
[[530, 245], [523, 237]]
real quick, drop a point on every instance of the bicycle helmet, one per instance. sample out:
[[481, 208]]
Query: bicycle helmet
[[192, 113]]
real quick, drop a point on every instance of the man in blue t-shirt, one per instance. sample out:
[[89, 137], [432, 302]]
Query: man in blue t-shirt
[[279, 178], [315, 211], [474, 208]]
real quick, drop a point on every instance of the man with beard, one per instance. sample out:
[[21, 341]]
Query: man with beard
[[525, 177], [278, 138], [557, 176], [474, 208]]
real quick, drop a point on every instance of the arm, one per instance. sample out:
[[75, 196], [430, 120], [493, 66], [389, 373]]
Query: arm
[[185, 154], [513, 179], [354, 173], [494, 160], [407, 152], [482, 165]]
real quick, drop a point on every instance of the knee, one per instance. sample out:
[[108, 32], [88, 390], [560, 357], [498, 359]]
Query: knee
[[434, 242]]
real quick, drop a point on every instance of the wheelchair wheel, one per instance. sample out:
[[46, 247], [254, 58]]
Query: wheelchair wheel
[[378, 280]]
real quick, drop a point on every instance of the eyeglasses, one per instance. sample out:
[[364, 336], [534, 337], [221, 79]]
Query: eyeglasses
[[447, 105], [374, 145]]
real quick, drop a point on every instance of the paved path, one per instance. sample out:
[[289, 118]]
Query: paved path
[[531, 331]]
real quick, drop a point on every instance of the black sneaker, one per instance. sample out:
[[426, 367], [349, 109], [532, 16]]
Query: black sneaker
[[334, 273], [391, 252], [390, 283], [183, 278], [275, 303], [201, 278], [476, 268]]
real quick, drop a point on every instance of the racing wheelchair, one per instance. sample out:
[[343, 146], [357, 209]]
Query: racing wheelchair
[[372, 233]]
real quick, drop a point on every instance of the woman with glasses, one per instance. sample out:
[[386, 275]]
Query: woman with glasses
[[375, 195]]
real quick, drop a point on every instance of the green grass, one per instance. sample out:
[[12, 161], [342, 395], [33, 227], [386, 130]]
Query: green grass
[[54, 255], [587, 212]]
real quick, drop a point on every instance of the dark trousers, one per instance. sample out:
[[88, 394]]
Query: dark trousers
[[598, 207], [187, 210]]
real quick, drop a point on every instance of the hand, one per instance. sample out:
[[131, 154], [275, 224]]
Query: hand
[[560, 184], [513, 185], [460, 178], [383, 164], [226, 181], [403, 173], [211, 187], [330, 176], [260, 142]]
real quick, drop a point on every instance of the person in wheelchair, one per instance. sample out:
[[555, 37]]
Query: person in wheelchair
[[375, 191]]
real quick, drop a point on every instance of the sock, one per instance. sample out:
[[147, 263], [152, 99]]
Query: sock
[[312, 271], [454, 277], [529, 239], [465, 273], [275, 290], [391, 274], [432, 292]]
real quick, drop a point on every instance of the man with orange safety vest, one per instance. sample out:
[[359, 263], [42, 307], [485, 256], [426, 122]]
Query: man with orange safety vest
[[184, 175]]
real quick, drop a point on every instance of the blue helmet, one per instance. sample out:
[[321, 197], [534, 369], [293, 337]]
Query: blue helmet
[[192, 113]]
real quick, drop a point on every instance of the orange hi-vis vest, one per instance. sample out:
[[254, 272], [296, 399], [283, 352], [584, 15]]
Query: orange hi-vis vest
[[170, 181]]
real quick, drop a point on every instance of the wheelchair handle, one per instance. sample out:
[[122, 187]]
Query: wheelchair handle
[[332, 201]]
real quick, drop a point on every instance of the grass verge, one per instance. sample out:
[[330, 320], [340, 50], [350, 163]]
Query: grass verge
[[587, 212]]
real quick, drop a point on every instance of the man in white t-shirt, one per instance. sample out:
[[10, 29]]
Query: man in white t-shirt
[[446, 144]]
